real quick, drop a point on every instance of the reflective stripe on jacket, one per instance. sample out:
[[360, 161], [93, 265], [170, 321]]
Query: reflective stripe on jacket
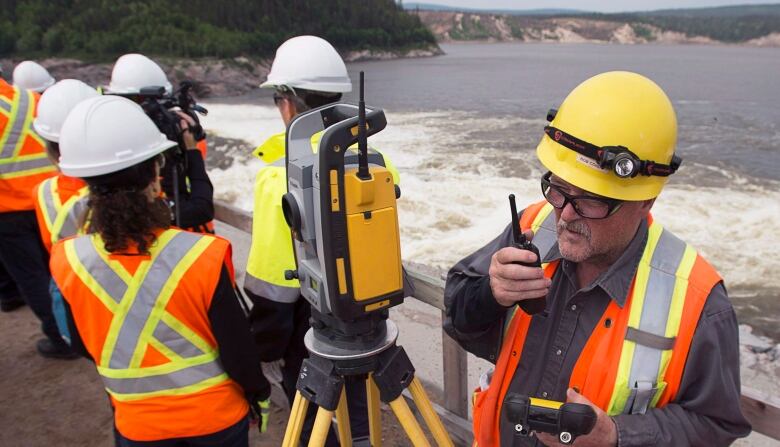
[[144, 320], [635, 357], [271, 253], [60, 207], [23, 159]]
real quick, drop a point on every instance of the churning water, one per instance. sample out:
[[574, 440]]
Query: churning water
[[462, 129]]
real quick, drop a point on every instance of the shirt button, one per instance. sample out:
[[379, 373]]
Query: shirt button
[[558, 352], [544, 393], [573, 307]]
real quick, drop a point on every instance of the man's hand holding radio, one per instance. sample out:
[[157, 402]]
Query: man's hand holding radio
[[511, 282]]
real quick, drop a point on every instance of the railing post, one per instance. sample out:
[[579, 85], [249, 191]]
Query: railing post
[[455, 375]]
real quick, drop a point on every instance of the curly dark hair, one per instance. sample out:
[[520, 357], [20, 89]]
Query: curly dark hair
[[120, 210]]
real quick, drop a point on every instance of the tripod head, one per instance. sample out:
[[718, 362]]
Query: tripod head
[[341, 209]]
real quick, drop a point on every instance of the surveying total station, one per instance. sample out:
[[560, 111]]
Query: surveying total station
[[341, 208]]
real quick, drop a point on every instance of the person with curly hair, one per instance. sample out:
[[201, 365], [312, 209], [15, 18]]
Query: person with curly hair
[[154, 307]]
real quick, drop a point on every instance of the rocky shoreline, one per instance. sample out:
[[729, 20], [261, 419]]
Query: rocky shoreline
[[452, 26], [210, 77]]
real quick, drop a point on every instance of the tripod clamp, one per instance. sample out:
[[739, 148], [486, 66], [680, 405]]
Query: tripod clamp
[[322, 374]]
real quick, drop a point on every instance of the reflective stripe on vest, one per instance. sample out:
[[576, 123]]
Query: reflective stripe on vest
[[61, 220], [140, 320], [632, 365], [273, 292], [20, 116], [5, 106], [660, 285]]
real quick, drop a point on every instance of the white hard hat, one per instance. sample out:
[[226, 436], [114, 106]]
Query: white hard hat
[[310, 63], [107, 134], [31, 75], [55, 104], [132, 72]]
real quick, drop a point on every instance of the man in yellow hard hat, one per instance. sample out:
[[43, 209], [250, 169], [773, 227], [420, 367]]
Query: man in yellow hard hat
[[633, 322]]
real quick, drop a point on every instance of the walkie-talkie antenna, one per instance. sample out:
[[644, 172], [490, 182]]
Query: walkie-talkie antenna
[[517, 236], [362, 138]]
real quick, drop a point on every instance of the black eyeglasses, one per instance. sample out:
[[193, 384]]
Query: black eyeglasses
[[590, 207], [278, 98]]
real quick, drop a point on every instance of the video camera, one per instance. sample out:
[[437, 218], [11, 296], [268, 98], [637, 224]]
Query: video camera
[[159, 106]]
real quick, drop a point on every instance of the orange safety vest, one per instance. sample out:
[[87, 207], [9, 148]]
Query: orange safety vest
[[144, 320], [635, 357], [23, 159], [60, 206]]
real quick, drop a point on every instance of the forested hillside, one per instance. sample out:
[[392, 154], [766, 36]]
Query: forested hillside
[[100, 29]]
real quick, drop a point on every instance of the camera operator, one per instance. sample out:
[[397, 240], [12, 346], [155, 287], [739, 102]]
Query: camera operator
[[186, 185]]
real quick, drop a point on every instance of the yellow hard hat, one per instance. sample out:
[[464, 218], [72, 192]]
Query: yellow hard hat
[[614, 135]]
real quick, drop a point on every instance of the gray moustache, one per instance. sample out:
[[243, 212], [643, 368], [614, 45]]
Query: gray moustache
[[574, 227]]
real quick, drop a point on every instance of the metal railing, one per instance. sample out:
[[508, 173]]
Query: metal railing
[[761, 409]]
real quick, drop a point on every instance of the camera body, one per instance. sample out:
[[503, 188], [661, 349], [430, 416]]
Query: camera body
[[159, 107], [344, 226]]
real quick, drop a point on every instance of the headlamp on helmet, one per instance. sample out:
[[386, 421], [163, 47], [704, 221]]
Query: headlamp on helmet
[[618, 159]]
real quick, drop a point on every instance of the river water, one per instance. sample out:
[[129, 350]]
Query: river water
[[462, 129]]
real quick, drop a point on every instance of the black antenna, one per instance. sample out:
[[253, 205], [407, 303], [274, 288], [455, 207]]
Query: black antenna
[[362, 138], [517, 236]]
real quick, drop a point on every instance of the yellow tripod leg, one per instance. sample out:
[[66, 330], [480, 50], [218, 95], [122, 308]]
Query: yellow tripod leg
[[431, 418], [319, 432], [409, 423], [374, 413], [292, 434], [342, 418]]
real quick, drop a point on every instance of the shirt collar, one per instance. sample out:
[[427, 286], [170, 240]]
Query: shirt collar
[[617, 280]]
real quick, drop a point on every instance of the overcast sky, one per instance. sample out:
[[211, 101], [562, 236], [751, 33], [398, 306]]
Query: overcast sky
[[588, 5]]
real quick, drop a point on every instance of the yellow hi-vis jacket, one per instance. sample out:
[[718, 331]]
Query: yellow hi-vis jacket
[[271, 252]]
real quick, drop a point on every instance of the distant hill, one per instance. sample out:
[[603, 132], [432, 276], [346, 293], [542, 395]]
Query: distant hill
[[517, 12], [731, 24], [719, 11], [746, 24], [101, 29]]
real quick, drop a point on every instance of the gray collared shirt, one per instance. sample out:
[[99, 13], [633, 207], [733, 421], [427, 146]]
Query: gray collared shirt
[[706, 409]]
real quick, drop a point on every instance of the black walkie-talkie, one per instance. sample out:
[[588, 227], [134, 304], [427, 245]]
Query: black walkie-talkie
[[535, 305]]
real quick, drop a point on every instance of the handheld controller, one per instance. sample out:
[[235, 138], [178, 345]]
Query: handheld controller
[[565, 420], [535, 305]]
